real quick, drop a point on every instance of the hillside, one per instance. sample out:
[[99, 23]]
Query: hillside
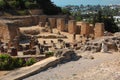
[[21, 7]]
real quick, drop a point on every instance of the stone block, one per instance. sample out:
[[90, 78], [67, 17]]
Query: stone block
[[85, 29], [61, 24], [99, 30], [52, 22], [72, 28]]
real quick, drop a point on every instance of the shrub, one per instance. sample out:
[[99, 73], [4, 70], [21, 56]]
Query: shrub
[[13, 4], [30, 61], [30, 5], [22, 12], [18, 62], [6, 62], [9, 63]]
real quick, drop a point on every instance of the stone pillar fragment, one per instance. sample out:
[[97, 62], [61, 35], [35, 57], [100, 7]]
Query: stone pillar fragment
[[85, 29], [74, 37], [99, 30], [52, 22], [41, 24], [16, 43], [61, 24], [43, 19], [46, 25], [32, 42], [72, 28]]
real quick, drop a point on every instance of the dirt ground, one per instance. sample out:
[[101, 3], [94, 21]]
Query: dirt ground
[[55, 32], [104, 66]]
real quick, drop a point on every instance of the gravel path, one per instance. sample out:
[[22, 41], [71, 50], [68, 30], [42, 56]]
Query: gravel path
[[75, 70]]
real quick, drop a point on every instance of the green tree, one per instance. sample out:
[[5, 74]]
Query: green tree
[[48, 7], [65, 11], [108, 21], [31, 5], [2, 4], [110, 25], [7, 5], [21, 4]]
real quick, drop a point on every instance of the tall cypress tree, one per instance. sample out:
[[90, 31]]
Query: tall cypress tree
[[48, 7]]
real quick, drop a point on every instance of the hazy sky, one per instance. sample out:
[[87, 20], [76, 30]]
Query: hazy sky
[[85, 2]]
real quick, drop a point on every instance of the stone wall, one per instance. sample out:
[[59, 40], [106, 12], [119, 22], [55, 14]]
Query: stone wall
[[9, 26], [24, 21], [4, 33], [8, 31]]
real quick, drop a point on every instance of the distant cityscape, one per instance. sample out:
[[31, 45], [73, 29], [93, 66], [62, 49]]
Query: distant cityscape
[[85, 2], [87, 12]]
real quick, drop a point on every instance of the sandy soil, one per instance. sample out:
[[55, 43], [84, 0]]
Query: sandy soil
[[104, 66], [55, 31]]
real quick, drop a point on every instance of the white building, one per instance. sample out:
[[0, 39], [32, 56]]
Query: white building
[[116, 18]]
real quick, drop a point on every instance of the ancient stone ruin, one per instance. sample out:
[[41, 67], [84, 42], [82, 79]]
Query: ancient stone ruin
[[72, 28], [99, 30], [31, 34], [61, 24]]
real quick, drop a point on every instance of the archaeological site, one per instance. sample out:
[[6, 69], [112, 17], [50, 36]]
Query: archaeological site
[[57, 47]]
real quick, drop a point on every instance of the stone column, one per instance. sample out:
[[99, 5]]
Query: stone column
[[43, 18], [85, 29], [72, 28], [99, 30], [52, 22], [61, 24]]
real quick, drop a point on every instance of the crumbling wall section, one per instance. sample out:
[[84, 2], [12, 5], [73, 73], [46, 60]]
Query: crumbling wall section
[[24, 21], [13, 31], [8, 31], [4, 32]]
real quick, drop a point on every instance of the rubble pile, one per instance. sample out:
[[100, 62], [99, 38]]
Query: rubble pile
[[112, 43]]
